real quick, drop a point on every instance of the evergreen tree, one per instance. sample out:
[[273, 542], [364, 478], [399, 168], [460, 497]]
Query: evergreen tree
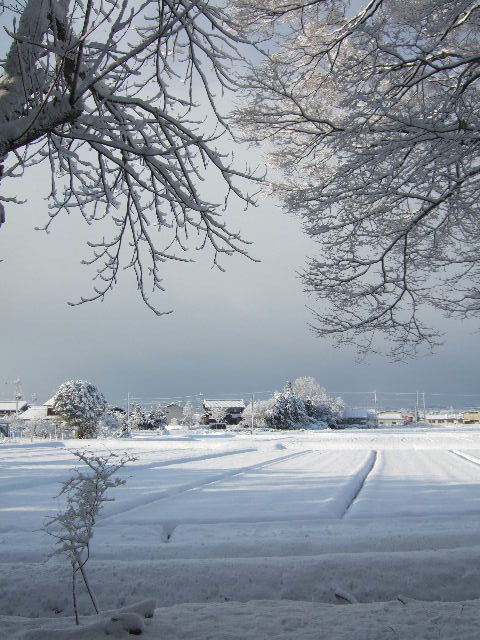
[[157, 418], [138, 420], [319, 405], [80, 405], [287, 412]]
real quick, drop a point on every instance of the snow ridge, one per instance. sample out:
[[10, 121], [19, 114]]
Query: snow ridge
[[358, 480]]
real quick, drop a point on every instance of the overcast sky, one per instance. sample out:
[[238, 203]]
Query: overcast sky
[[230, 333]]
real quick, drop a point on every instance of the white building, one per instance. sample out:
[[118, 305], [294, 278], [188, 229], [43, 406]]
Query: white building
[[393, 418], [39, 412], [443, 417], [9, 408]]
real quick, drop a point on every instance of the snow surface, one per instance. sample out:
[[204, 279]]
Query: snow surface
[[256, 536]]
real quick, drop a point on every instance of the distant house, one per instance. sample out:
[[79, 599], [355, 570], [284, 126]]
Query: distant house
[[361, 417], [39, 412], [9, 408], [228, 411], [471, 417], [173, 413], [392, 418], [443, 417]]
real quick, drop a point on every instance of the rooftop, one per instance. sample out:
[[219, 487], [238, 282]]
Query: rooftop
[[11, 405], [224, 404]]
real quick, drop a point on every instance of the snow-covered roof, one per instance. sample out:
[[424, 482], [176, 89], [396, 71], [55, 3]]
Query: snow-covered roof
[[390, 415], [35, 413], [357, 413], [224, 404], [49, 403], [11, 405]]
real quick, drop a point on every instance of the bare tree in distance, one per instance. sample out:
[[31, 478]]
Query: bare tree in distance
[[122, 100], [373, 119]]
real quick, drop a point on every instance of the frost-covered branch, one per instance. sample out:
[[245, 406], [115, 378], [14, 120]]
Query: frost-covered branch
[[85, 494], [123, 101], [373, 120]]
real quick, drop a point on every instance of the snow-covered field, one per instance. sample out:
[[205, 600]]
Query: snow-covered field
[[257, 536]]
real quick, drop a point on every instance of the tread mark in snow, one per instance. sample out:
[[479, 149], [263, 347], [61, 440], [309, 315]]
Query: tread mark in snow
[[465, 456], [168, 493], [360, 478], [27, 483], [185, 460]]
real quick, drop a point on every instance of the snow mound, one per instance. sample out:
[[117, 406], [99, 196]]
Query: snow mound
[[128, 621], [266, 619]]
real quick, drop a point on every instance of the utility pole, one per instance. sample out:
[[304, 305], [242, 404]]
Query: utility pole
[[424, 409], [416, 409], [253, 411]]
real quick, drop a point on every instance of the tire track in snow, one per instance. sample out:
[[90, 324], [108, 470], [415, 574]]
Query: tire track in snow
[[21, 483], [355, 484], [191, 486], [465, 456], [185, 459]]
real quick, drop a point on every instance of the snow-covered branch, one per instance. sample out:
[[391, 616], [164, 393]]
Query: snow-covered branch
[[123, 100], [373, 120]]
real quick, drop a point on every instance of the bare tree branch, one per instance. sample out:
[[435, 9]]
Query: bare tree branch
[[373, 120], [122, 99]]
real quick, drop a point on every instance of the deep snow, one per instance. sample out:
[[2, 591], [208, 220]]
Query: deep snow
[[258, 536]]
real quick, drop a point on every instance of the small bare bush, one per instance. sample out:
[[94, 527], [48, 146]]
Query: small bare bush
[[85, 494]]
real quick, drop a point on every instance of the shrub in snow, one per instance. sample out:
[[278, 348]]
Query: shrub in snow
[[260, 409], [157, 418], [16, 425], [80, 405], [320, 406], [287, 411], [219, 414], [137, 420], [85, 493], [111, 424], [154, 419], [188, 415], [41, 428]]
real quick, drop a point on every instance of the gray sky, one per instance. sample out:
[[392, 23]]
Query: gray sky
[[230, 333]]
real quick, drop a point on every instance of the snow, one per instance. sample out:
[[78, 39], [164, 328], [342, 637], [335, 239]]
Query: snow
[[256, 536], [224, 404], [12, 405]]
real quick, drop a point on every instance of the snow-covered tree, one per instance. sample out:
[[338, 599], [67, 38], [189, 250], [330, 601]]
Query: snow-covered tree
[[371, 109], [41, 428], [219, 414], [188, 415], [111, 423], [122, 101], [287, 411], [319, 405], [138, 420], [80, 405], [157, 418], [260, 409]]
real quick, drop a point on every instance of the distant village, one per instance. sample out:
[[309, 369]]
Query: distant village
[[219, 414]]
